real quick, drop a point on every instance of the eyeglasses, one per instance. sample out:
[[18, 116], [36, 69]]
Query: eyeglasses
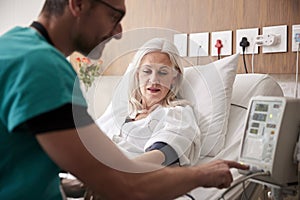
[[119, 13]]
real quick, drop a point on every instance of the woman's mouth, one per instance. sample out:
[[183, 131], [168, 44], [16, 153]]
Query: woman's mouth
[[153, 90]]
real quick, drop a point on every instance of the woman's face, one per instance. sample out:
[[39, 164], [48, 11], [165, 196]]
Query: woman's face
[[156, 74]]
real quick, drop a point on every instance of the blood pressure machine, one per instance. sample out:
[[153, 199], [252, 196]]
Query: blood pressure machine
[[270, 136]]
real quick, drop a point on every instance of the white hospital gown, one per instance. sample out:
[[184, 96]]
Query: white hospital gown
[[175, 126]]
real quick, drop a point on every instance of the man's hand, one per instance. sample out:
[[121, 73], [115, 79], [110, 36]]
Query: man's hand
[[217, 173], [73, 187]]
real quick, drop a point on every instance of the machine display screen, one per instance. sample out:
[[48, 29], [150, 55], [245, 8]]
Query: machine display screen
[[253, 131], [259, 117], [255, 125], [261, 107]]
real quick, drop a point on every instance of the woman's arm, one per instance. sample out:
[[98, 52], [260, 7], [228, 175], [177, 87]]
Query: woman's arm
[[155, 157], [178, 128]]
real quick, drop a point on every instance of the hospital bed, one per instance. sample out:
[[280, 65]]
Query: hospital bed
[[245, 86]]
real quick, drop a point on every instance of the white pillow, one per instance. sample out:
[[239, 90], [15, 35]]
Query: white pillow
[[209, 89]]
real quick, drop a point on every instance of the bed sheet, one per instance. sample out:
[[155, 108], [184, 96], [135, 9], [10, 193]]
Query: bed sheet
[[230, 152]]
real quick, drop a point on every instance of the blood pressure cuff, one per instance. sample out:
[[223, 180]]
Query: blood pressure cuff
[[58, 119], [170, 154]]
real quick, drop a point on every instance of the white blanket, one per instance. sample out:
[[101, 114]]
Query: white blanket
[[175, 126]]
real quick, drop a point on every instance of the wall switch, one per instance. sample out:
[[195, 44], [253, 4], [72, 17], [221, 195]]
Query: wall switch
[[279, 33], [198, 44], [180, 41], [226, 38], [250, 34], [296, 30]]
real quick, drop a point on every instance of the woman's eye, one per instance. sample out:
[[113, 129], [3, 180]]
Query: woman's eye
[[163, 73], [147, 71]]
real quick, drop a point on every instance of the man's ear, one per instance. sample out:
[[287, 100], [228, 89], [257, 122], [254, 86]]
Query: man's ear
[[75, 7]]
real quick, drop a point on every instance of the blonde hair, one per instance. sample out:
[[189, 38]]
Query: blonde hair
[[172, 99]]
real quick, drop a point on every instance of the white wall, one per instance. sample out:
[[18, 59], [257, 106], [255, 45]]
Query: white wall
[[17, 12]]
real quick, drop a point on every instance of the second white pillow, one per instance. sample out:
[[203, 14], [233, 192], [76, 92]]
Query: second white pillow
[[209, 89]]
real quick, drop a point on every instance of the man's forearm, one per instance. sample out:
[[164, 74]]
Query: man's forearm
[[166, 183], [103, 168]]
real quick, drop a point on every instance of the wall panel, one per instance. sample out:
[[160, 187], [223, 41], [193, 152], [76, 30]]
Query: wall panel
[[217, 15]]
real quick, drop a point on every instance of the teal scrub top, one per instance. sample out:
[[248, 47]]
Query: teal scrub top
[[34, 78]]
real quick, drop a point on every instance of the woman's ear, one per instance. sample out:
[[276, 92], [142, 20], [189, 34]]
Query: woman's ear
[[176, 77], [137, 73], [174, 80]]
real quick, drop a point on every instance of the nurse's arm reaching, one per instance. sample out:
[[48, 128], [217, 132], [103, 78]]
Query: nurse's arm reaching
[[66, 148]]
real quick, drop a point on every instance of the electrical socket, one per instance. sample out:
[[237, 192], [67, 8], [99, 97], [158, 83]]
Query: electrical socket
[[180, 41], [296, 29], [250, 34], [226, 38], [276, 35], [268, 40], [198, 44]]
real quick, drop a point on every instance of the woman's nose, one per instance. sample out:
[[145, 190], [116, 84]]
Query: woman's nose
[[154, 78]]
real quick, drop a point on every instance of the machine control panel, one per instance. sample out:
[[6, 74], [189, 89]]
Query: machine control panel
[[270, 135], [261, 133]]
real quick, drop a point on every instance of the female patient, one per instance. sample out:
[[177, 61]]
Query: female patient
[[160, 127]]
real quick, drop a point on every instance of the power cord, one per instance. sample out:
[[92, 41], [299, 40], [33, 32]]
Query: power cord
[[252, 59], [190, 196], [297, 69], [198, 54], [244, 192], [242, 180], [264, 40], [244, 43]]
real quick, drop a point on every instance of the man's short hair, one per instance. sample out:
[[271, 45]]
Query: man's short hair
[[55, 7]]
